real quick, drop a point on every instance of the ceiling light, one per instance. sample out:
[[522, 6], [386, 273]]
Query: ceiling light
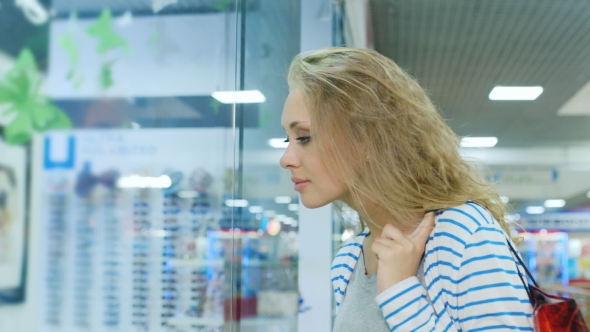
[[282, 199], [256, 209], [479, 142], [239, 97], [293, 207], [588, 194], [515, 92], [535, 210], [137, 181], [236, 202], [278, 143], [554, 203], [504, 199], [511, 217]]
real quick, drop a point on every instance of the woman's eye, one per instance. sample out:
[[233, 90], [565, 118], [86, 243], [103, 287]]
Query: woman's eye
[[304, 139]]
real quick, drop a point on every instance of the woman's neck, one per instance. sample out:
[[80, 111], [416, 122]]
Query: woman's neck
[[379, 217]]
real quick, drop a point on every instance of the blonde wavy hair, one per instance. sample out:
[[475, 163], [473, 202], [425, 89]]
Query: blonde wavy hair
[[381, 135]]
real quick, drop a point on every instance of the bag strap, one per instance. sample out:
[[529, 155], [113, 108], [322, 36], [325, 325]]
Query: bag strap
[[524, 284], [515, 254]]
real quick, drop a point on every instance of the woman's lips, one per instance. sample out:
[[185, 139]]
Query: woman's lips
[[301, 185]]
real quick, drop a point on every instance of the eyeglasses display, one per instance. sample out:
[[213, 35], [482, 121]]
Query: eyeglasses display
[[133, 257], [56, 227]]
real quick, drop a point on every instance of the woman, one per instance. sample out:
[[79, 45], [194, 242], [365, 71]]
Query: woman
[[362, 131]]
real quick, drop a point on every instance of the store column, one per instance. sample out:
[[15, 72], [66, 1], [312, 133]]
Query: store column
[[315, 225]]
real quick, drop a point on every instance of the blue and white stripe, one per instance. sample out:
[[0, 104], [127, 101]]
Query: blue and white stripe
[[470, 274]]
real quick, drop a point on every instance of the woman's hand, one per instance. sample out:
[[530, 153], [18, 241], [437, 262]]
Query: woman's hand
[[398, 255]]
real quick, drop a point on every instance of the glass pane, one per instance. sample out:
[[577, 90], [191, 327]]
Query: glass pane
[[119, 158], [267, 281]]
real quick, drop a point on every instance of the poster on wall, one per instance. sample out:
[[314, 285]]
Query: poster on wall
[[13, 165]]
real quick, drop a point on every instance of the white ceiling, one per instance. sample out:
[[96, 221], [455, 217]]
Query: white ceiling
[[578, 104]]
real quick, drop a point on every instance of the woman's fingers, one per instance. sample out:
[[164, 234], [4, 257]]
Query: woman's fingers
[[392, 233], [398, 254], [422, 232], [389, 249]]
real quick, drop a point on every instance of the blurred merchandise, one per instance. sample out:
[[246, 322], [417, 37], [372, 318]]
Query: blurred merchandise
[[546, 255]]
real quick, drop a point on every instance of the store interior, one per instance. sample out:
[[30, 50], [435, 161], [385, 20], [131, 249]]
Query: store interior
[[140, 188]]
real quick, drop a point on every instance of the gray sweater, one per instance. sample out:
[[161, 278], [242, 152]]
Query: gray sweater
[[359, 312]]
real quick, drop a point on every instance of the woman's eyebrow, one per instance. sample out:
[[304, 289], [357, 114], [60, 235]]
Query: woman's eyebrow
[[296, 124]]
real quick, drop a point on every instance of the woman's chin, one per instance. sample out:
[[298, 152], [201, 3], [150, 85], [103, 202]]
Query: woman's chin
[[313, 203]]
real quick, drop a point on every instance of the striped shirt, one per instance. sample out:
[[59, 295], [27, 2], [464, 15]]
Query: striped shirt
[[470, 276]]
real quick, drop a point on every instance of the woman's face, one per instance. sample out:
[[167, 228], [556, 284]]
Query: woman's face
[[316, 184]]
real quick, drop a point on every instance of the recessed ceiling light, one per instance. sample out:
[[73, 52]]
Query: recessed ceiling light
[[256, 209], [236, 202], [282, 199], [479, 142], [239, 97], [515, 92], [554, 203], [512, 217], [535, 210], [293, 207], [278, 143], [138, 181], [505, 199]]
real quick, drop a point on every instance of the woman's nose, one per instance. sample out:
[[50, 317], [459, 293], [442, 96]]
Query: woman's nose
[[289, 159]]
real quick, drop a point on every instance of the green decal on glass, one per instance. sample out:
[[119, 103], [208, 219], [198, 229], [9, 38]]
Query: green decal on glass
[[266, 50], [69, 45], [103, 31], [215, 104], [19, 90], [106, 75], [19, 131], [266, 119], [222, 5], [154, 39]]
